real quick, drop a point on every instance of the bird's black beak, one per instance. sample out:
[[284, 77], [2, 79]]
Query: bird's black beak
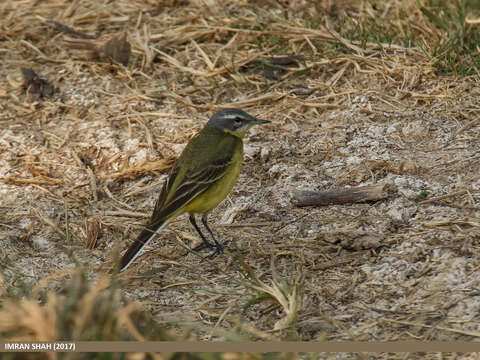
[[260, 121]]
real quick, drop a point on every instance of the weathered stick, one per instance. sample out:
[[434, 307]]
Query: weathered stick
[[341, 196]]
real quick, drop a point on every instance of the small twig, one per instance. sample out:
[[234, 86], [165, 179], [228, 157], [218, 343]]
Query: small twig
[[290, 222], [341, 196], [110, 195], [334, 263], [37, 180], [345, 42], [129, 193], [145, 167], [144, 114], [93, 183], [67, 224], [450, 222], [467, 126], [50, 223], [252, 224], [179, 284], [47, 221], [463, 332], [127, 213], [175, 63], [273, 96], [205, 57], [442, 197], [92, 230], [322, 105], [220, 319], [34, 48], [68, 30], [148, 134]]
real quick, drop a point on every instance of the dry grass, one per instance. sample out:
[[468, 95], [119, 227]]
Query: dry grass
[[378, 92]]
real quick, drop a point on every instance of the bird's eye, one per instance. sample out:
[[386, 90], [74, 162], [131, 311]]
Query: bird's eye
[[237, 122]]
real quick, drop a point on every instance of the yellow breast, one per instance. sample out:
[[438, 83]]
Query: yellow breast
[[218, 191]]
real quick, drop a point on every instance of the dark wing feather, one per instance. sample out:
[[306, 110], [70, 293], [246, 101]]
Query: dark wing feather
[[192, 185], [204, 160]]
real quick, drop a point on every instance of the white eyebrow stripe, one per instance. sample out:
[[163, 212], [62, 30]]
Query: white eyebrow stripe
[[233, 116]]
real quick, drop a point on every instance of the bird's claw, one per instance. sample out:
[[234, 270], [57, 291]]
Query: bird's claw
[[218, 249]]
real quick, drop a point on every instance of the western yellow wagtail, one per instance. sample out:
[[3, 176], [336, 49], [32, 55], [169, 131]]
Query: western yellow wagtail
[[201, 178]]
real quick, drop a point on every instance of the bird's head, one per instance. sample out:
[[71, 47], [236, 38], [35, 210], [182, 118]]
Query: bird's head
[[234, 121]]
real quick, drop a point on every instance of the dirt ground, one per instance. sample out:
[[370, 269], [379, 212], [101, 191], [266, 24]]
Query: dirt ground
[[84, 164]]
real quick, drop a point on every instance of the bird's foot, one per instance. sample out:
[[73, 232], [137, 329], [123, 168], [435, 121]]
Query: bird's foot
[[218, 250]]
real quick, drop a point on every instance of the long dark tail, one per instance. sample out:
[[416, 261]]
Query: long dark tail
[[143, 239]]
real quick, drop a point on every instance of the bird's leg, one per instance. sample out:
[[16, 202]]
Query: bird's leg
[[218, 246], [205, 242]]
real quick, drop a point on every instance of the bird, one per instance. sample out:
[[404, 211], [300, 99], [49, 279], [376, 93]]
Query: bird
[[200, 179]]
